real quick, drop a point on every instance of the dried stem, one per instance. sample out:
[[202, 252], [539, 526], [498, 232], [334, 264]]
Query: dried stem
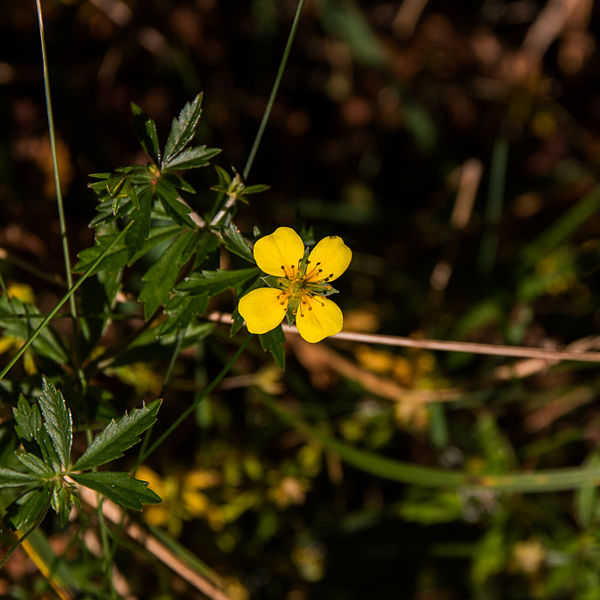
[[446, 346]]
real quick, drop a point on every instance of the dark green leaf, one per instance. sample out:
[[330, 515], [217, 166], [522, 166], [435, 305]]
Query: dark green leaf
[[20, 320], [115, 260], [28, 420], [256, 189], [145, 131], [28, 508], [48, 450], [215, 282], [62, 501], [157, 236], [57, 421], [181, 310], [161, 277], [178, 181], [10, 478], [192, 158], [183, 129], [30, 428], [117, 437], [97, 296], [138, 233], [174, 207], [34, 464], [119, 487], [235, 242], [237, 322], [274, 342]]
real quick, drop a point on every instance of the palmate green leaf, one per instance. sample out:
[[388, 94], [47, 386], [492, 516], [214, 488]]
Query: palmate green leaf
[[28, 420], [174, 208], [121, 488], [162, 275], [138, 234], [192, 158], [27, 509], [181, 310], [117, 437], [235, 242], [274, 341], [215, 282], [145, 131], [29, 426], [35, 464], [115, 259], [57, 421], [158, 235], [10, 478], [183, 129], [62, 501]]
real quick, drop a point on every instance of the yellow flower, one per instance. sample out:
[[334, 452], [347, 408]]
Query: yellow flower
[[299, 285]]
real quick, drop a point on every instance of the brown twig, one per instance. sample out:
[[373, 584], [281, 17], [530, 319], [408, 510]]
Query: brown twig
[[155, 547], [445, 346]]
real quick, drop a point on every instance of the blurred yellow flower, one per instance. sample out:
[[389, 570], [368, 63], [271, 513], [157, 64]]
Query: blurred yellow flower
[[21, 292], [300, 284]]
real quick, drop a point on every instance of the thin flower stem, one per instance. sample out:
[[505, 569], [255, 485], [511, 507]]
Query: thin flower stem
[[59, 199], [192, 407], [166, 379], [445, 346], [146, 440], [271, 101]]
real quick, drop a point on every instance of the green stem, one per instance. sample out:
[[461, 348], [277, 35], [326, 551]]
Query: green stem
[[59, 199], [271, 101], [167, 377], [146, 440], [547, 480], [184, 415], [61, 302]]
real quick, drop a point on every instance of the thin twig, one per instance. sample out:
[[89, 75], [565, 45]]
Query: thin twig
[[59, 199], [445, 346], [114, 514]]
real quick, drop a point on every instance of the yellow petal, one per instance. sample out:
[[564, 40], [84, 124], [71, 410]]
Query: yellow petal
[[280, 252], [263, 309], [328, 259], [317, 318]]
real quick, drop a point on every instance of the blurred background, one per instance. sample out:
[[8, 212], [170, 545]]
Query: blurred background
[[455, 147]]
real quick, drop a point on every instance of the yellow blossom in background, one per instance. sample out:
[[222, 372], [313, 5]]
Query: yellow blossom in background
[[269, 380], [378, 361], [301, 285], [182, 497], [21, 292], [141, 377]]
